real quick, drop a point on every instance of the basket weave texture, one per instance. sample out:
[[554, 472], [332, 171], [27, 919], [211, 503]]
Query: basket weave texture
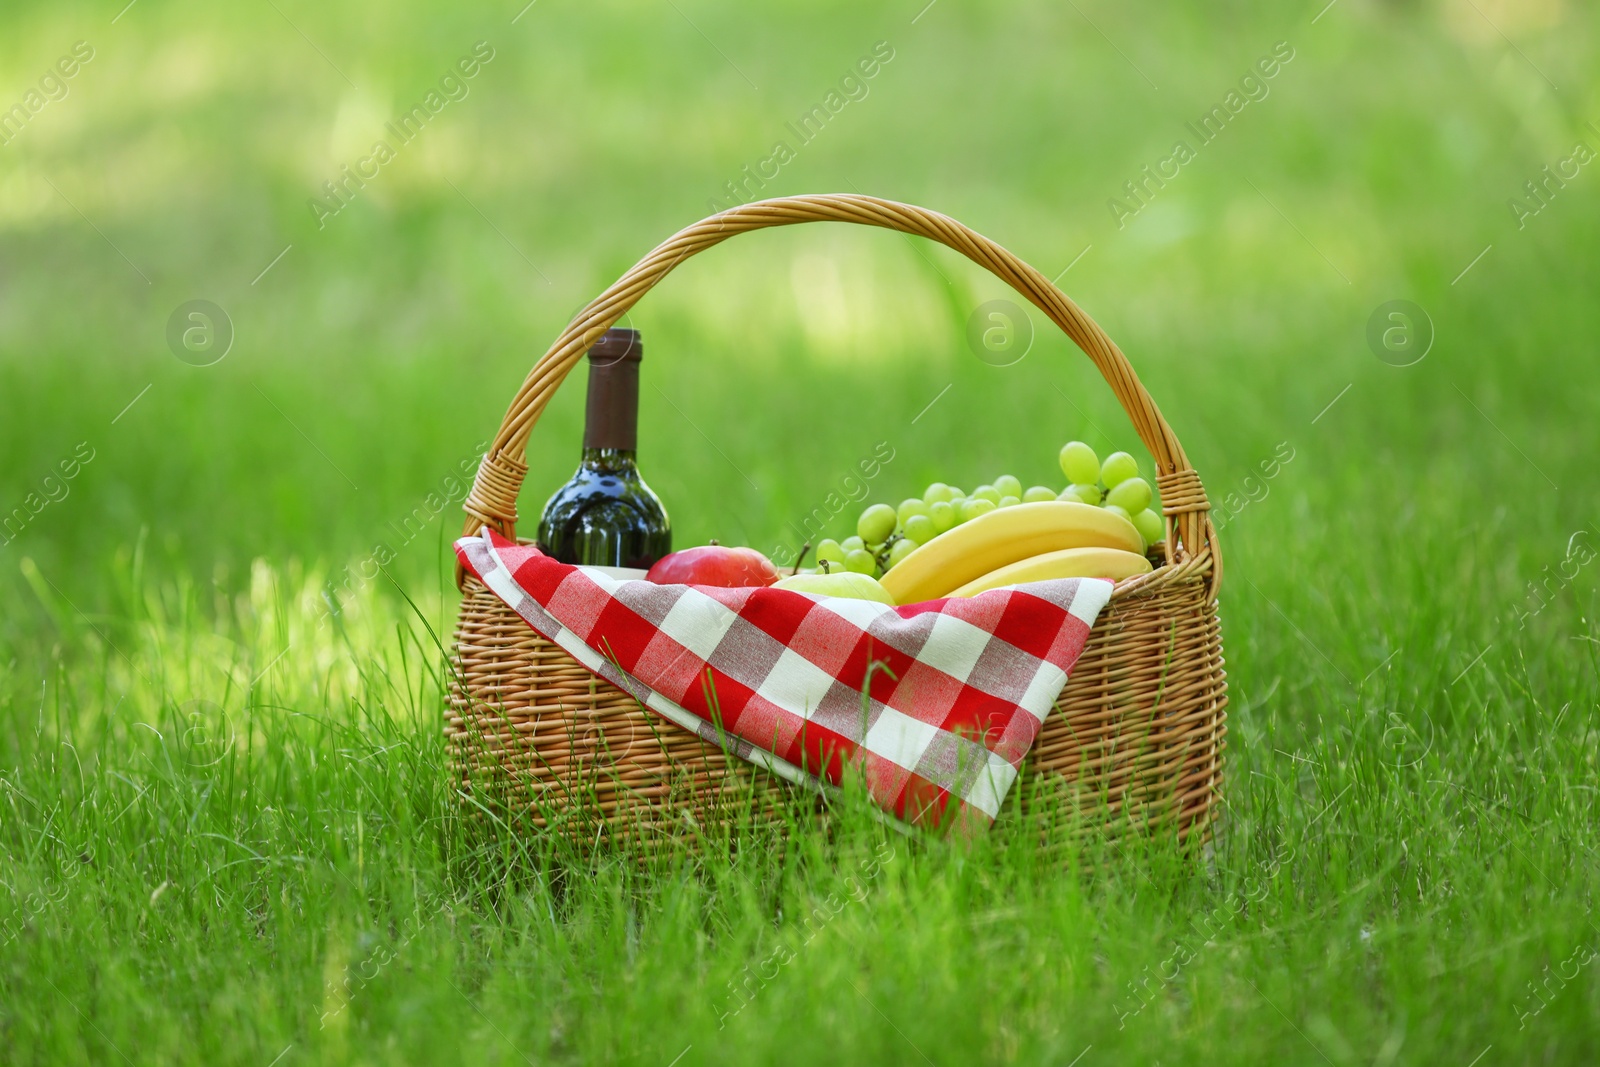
[[1135, 742]]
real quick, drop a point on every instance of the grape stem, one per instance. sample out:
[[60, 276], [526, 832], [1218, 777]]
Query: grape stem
[[801, 558]]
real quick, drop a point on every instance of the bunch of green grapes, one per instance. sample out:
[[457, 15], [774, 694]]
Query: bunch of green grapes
[[885, 535], [1114, 485]]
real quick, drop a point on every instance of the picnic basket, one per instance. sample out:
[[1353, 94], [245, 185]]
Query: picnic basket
[[1134, 744]]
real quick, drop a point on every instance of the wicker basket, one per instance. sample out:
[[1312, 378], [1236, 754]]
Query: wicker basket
[[1135, 742]]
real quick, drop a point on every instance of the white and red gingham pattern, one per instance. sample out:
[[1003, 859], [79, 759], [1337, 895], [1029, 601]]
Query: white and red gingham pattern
[[937, 702]]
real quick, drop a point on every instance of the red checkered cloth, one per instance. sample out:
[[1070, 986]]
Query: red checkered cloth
[[937, 703]]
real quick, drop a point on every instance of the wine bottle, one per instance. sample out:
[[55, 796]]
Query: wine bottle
[[606, 515]]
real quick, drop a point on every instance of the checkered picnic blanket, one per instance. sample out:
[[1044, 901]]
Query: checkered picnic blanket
[[937, 703]]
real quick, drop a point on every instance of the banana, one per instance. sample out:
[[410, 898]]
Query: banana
[[1003, 536], [1112, 563]]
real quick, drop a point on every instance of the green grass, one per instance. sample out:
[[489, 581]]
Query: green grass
[[226, 829]]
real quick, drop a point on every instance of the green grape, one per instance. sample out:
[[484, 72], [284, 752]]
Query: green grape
[[957, 493], [920, 529], [1009, 485], [876, 523], [938, 493], [1070, 495], [1118, 467], [1088, 492], [943, 515], [1150, 527], [911, 505], [955, 506], [829, 549], [850, 544], [1009, 501], [1119, 511], [902, 548], [987, 492], [976, 506], [1132, 495], [1079, 463], [1038, 493], [860, 561]]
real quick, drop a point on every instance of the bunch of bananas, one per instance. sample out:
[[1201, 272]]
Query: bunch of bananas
[[1023, 543]]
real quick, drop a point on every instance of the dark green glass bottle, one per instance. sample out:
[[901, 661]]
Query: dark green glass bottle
[[606, 515]]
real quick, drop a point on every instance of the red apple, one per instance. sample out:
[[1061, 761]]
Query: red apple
[[714, 565]]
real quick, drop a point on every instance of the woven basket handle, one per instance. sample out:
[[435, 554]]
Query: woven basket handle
[[493, 500]]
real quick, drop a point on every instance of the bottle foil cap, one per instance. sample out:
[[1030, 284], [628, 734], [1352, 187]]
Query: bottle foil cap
[[611, 418]]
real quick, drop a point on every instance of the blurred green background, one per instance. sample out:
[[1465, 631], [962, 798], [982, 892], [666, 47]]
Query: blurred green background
[[1428, 509], [381, 348]]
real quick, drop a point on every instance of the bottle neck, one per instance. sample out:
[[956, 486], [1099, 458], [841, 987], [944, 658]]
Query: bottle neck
[[611, 418], [610, 460]]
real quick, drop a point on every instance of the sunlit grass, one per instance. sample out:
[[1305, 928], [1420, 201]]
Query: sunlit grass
[[230, 832]]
